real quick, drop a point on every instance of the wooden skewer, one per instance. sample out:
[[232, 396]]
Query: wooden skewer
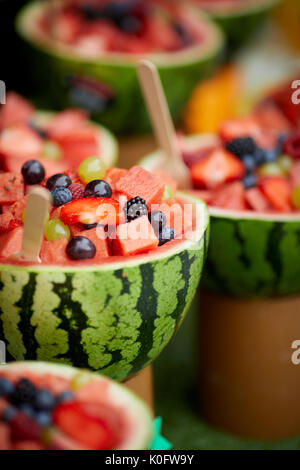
[[162, 123], [37, 211]]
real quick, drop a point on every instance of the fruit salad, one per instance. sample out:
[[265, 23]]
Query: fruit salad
[[92, 28], [59, 141], [51, 407], [251, 164], [97, 213]]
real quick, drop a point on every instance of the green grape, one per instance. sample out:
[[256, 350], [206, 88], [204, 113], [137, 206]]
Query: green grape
[[55, 229], [51, 150], [271, 169], [285, 162], [168, 193], [296, 197], [92, 168]]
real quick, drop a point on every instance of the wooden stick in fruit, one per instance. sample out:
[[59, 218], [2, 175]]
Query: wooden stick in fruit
[[162, 123], [37, 211]]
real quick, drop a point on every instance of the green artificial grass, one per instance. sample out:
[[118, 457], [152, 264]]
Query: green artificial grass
[[175, 400]]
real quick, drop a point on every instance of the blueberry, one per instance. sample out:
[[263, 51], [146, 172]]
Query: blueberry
[[27, 409], [9, 413], [25, 392], [271, 155], [43, 418], [98, 188], [64, 396], [60, 180], [6, 387], [81, 248], [158, 220], [249, 180], [249, 162], [44, 400], [167, 234], [61, 196], [33, 172], [260, 156]]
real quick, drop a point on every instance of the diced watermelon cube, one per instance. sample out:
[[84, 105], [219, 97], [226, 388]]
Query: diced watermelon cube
[[231, 196], [54, 252], [16, 110], [256, 200], [142, 183], [11, 242], [135, 237], [20, 141], [98, 237], [167, 179], [113, 175], [11, 188], [8, 222], [278, 191], [67, 123]]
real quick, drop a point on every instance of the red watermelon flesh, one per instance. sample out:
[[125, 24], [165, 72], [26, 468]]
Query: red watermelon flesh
[[231, 196], [135, 237], [54, 252], [11, 242], [17, 110], [140, 182]]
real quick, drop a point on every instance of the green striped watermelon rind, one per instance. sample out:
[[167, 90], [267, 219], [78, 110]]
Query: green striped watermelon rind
[[127, 113], [239, 24], [140, 436], [113, 318], [250, 254], [108, 144]]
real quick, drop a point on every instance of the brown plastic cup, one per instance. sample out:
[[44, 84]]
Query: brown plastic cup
[[248, 384]]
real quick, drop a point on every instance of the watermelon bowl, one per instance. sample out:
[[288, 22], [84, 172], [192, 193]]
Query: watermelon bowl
[[106, 83], [82, 411], [114, 317], [237, 18], [60, 141], [250, 254]]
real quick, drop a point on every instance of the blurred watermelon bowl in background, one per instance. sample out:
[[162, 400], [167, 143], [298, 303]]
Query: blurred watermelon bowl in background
[[237, 18], [60, 141], [115, 279], [85, 54], [249, 175]]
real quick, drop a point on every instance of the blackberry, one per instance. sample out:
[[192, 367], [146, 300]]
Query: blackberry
[[33, 172], [166, 235], [25, 392], [242, 146], [61, 196], [135, 208]]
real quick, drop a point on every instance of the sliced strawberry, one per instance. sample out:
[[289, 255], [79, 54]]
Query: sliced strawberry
[[16, 110], [218, 167], [91, 210], [231, 196], [67, 123], [278, 191], [20, 141], [5, 443], [256, 200], [74, 421], [292, 146]]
